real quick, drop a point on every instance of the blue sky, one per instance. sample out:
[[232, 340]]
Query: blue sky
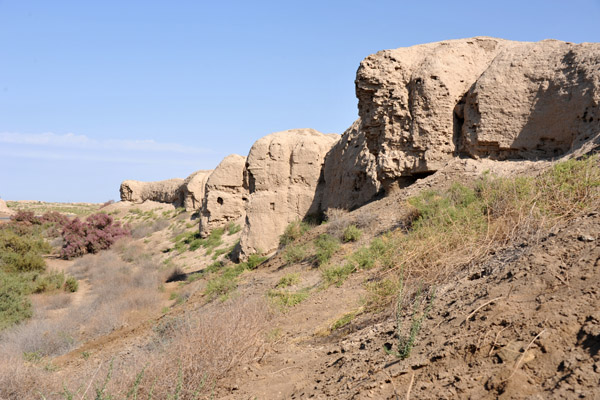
[[96, 92]]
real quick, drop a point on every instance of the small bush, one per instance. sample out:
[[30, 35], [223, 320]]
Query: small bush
[[344, 320], [254, 260], [337, 275], [407, 341], [71, 285], [381, 293], [192, 241], [213, 240], [214, 267], [222, 285], [233, 228], [14, 304], [98, 232], [364, 258], [26, 218], [196, 244], [326, 246], [49, 282], [289, 280], [293, 231], [294, 253], [335, 214], [285, 299], [146, 229], [351, 234]]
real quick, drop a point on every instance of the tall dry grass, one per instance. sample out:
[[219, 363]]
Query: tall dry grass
[[465, 225], [185, 358], [118, 293]]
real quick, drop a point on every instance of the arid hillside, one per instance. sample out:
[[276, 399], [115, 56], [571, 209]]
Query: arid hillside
[[445, 246]]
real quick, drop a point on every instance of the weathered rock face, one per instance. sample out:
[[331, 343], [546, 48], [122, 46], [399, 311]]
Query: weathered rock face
[[283, 177], [225, 195], [350, 171], [168, 191], [535, 100], [193, 189], [479, 97], [407, 98], [4, 210]]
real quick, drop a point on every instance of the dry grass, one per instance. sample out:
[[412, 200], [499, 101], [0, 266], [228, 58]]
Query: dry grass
[[120, 294], [187, 357], [147, 228], [465, 225]]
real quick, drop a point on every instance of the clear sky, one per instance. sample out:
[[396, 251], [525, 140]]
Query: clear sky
[[96, 92]]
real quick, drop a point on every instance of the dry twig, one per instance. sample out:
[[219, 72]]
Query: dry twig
[[410, 385], [480, 307], [525, 352]]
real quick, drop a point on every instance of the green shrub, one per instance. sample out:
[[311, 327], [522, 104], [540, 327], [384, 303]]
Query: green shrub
[[364, 258], [293, 231], [407, 341], [28, 262], [214, 267], [351, 233], [289, 280], [49, 282], [14, 304], [326, 246], [71, 285], [294, 253], [254, 260], [285, 299], [233, 228], [337, 275], [21, 250], [222, 285], [344, 320], [195, 244], [213, 240], [228, 250]]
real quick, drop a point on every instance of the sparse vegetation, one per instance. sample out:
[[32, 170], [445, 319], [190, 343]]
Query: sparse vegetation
[[192, 241], [351, 234], [233, 228], [146, 229], [254, 260], [40, 207], [223, 284], [294, 253], [381, 292], [344, 320], [326, 246], [286, 299], [443, 229], [337, 275], [227, 250], [420, 309], [71, 285], [293, 231], [290, 279]]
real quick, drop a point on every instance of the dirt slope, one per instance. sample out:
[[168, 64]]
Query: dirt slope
[[523, 324], [533, 332]]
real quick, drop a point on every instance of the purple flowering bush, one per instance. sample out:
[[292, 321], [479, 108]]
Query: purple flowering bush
[[97, 232]]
